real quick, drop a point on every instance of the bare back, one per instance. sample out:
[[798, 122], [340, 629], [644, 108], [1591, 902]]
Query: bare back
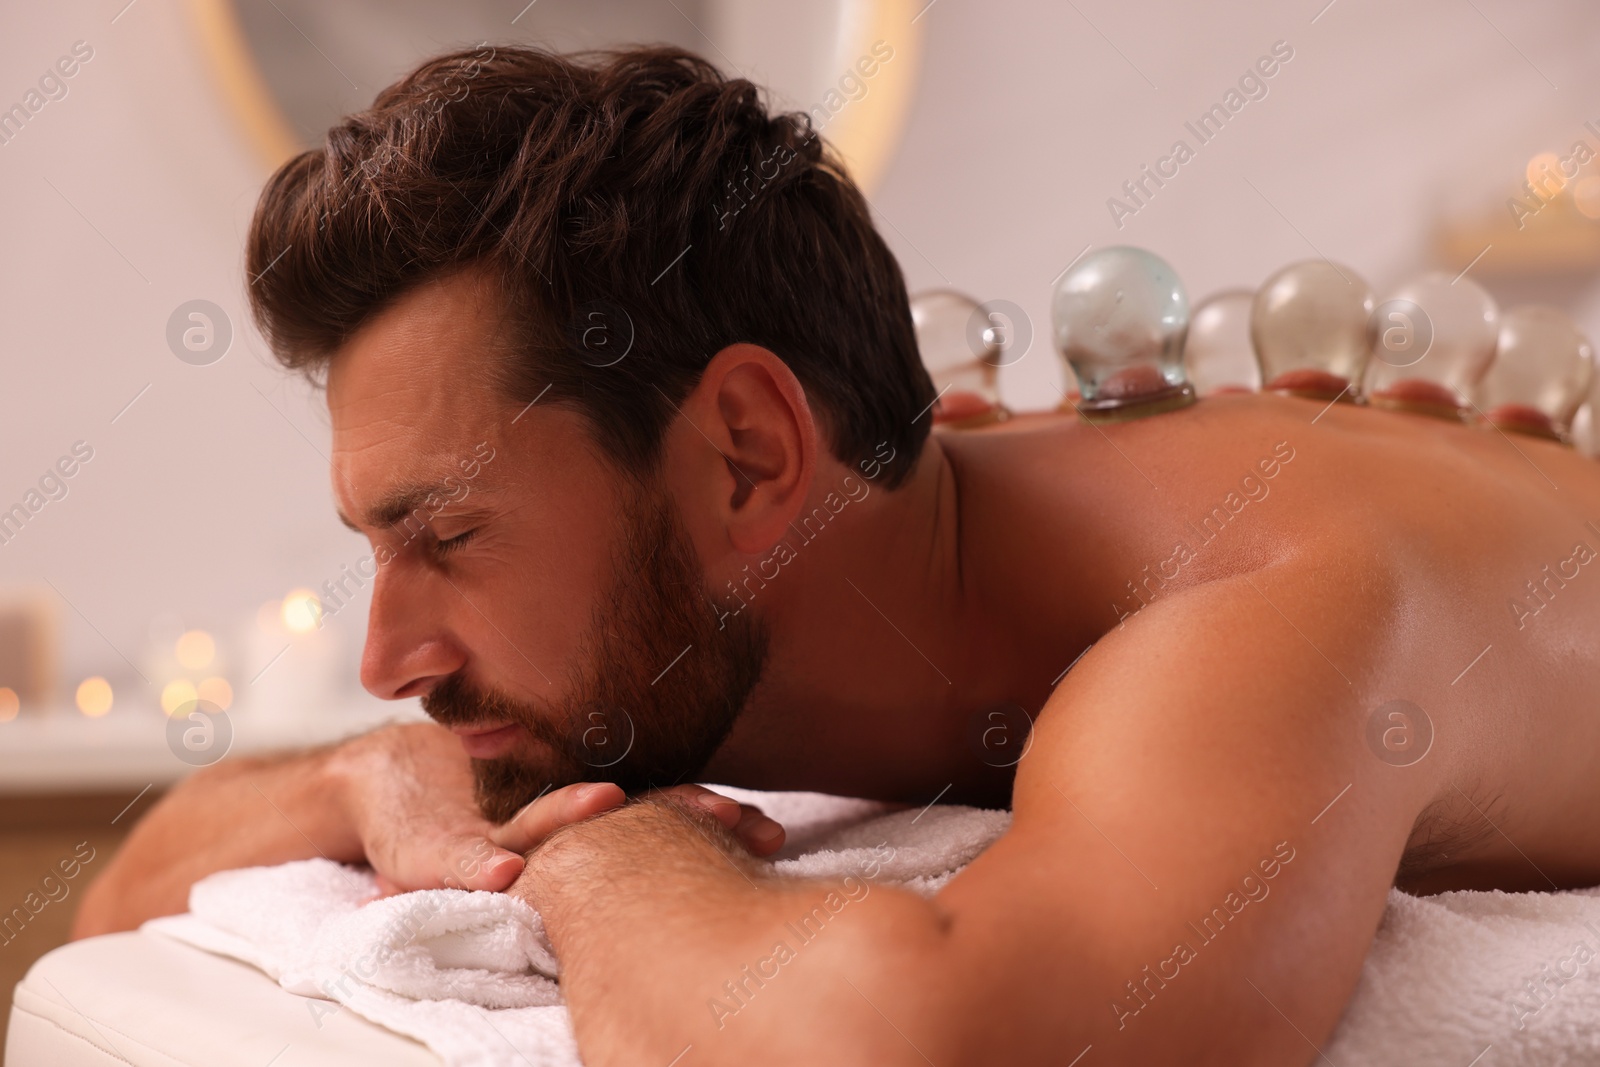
[[1470, 558]]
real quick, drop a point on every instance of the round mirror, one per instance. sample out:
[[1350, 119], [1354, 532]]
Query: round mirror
[[289, 69]]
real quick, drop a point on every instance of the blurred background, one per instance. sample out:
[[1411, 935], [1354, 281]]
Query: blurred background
[[166, 528]]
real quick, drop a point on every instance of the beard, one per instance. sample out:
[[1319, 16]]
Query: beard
[[659, 686]]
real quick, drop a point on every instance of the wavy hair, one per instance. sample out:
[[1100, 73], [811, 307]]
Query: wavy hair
[[640, 211]]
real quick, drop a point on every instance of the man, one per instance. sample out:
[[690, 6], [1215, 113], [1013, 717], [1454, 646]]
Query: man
[[654, 498]]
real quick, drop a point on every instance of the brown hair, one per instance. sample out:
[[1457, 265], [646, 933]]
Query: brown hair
[[641, 210]]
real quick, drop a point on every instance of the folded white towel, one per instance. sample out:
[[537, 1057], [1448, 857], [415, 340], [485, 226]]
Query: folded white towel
[[470, 974], [1511, 978]]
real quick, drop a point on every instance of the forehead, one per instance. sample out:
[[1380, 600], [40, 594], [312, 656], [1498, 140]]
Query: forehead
[[412, 392], [428, 356]]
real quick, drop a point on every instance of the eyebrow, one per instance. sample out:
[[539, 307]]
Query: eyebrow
[[396, 505]]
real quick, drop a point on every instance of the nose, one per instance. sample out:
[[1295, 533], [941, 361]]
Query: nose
[[410, 646]]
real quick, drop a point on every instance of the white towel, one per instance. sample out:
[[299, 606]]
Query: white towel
[[471, 974], [1482, 979]]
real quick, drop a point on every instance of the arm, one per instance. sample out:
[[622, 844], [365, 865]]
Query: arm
[[399, 797], [671, 935], [1170, 873], [216, 819]]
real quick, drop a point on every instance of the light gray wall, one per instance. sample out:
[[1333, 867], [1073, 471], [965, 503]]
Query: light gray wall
[[123, 200]]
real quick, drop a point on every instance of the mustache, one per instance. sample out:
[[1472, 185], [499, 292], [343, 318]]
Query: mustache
[[454, 702]]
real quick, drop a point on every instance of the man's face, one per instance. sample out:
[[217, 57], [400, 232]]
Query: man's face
[[547, 608]]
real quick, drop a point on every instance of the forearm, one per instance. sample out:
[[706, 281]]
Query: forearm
[[670, 935], [238, 813]]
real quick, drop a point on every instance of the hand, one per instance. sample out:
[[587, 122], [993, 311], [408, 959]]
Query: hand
[[407, 791], [658, 823], [758, 833]]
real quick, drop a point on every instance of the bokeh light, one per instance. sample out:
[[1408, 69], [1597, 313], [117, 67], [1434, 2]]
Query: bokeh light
[[9, 704], [94, 696], [1544, 173], [196, 650], [177, 693], [301, 610]]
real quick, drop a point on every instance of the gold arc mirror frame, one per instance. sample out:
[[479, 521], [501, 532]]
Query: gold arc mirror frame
[[864, 129]]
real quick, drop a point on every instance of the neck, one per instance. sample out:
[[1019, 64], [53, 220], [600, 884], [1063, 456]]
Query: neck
[[884, 657]]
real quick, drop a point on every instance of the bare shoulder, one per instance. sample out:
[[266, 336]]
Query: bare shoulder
[[1198, 815]]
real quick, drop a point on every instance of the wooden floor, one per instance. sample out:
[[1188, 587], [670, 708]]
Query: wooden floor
[[36, 834]]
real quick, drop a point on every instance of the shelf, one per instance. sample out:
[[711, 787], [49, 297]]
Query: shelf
[[63, 751]]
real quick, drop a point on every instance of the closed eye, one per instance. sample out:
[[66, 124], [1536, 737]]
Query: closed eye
[[444, 548]]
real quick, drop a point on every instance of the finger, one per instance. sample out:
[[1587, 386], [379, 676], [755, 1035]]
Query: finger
[[477, 863], [548, 813], [727, 810], [761, 835], [386, 888]]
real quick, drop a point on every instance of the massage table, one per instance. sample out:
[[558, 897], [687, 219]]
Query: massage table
[[144, 999]]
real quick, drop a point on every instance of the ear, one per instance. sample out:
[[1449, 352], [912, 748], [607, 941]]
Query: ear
[[748, 456]]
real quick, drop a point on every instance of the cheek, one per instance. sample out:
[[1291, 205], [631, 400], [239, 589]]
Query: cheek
[[532, 602], [538, 582]]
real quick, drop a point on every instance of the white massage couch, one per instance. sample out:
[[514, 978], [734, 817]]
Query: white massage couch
[[145, 999]]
